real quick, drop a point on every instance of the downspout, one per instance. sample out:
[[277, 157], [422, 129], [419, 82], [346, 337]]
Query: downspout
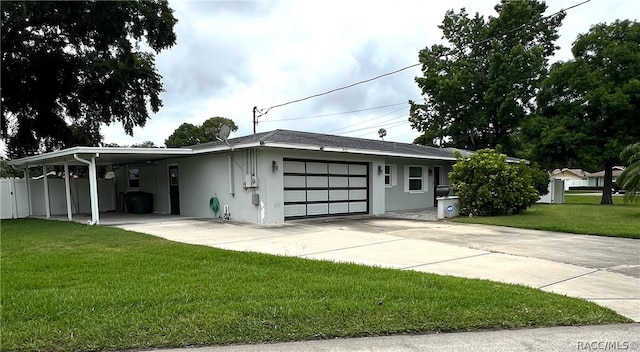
[[45, 179], [93, 188], [67, 190], [231, 180]]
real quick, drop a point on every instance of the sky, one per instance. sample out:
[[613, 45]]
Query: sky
[[233, 55]]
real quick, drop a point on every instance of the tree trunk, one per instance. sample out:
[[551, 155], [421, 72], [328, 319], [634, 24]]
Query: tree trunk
[[608, 184]]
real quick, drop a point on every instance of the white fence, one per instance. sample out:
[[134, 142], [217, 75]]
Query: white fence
[[13, 198], [574, 183], [15, 204]]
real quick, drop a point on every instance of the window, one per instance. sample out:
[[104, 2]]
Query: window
[[390, 176], [134, 178], [387, 175], [173, 176], [414, 179]]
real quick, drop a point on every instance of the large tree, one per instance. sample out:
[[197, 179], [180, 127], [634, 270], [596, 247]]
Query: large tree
[[589, 107], [481, 84], [190, 134], [69, 66]]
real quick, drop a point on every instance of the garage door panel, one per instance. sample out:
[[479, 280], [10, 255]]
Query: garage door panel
[[294, 167], [317, 181], [339, 194], [295, 210], [339, 169], [294, 181], [317, 209], [317, 168], [357, 194], [357, 207], [357, 182], [338, 181], [338, 208], [295, 196], [315, 196], [357, 169]]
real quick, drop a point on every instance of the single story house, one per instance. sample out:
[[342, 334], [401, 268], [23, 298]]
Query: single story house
[[571, 177], [596, 179], [265, 178]]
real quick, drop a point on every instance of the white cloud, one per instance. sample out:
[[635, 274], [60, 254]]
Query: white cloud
[[231, 56]]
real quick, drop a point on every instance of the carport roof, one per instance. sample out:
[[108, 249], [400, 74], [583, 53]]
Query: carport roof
[[104, 156]]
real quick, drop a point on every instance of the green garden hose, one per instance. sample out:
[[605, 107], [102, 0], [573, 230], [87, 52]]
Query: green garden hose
[[214, 204]]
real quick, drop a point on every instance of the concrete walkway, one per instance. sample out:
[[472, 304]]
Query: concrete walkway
[[603, 270]]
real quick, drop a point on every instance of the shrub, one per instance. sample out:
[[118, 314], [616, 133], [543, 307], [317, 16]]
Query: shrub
[[488, 186], [540, 180]]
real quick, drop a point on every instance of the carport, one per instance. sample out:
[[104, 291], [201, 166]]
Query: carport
[[90, 157]]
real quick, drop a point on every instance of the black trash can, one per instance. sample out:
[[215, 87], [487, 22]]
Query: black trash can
[[443, 190], [139, 202]]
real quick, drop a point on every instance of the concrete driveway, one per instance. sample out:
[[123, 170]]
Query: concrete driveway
[[599, 269]]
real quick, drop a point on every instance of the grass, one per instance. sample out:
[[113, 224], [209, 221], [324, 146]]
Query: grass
[[70, 287], [592, 200], [579, 214]]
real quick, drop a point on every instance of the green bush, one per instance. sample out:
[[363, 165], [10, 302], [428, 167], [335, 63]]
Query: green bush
[[489, 186], [540, 180]]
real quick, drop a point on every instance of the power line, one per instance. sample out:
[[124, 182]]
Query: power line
[[371, 120], [262, 112], [341, 88], [380, 124], [335, 114], [530, 23], [388, 126]]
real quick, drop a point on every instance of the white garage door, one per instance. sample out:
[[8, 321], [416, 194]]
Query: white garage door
[[324, 188]]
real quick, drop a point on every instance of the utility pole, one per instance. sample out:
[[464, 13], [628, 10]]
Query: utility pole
[[255, 119]]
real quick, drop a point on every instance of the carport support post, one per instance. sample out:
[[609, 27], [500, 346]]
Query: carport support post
[[67, 189], [93, 190], [46, 191]]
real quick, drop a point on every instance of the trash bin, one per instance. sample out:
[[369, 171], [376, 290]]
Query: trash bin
[[139, 202]]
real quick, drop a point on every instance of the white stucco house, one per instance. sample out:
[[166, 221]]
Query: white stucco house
[[596, 179], [265, 178], [571, 177]]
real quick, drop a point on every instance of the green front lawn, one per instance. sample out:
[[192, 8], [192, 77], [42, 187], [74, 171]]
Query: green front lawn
[[70, 287], [579, 214]]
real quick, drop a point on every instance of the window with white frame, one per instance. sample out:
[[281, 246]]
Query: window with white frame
[[414, 179], [387, 175], [390, 175]]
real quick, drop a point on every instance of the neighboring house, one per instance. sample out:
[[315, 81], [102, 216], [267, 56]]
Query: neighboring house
[[571, 177], [269, 177], [596, 179]]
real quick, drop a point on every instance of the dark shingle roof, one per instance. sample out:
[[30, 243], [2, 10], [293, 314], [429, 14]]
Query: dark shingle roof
[[332, 141]]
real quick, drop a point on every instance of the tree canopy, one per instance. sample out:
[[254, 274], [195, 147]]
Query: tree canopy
[[480, 85], [589, 107], [189, 134], [69, 66]]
